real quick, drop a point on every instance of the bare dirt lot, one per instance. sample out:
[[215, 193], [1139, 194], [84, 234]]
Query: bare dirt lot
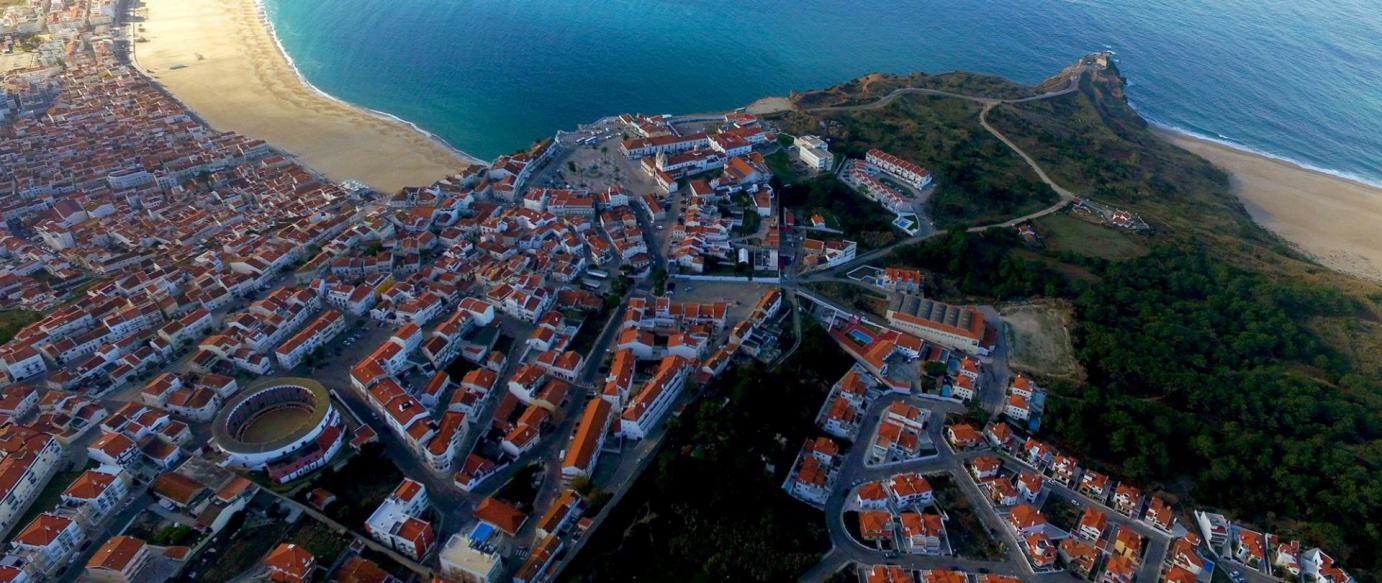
[[275, 424], [1039, 337]]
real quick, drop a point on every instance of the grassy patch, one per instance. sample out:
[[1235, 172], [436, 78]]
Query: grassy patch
[[851, 296], [365, 481], [708, 508], [979, 180], [1062, 512], [591, 324], [831, 221], [324, 543], [781, 165], [242, 544], [48, 498], [12, 321], [962, 265], [751, 222], [861, 219], [1066, 234], [521, 489], [1038, 337], [871, 87]]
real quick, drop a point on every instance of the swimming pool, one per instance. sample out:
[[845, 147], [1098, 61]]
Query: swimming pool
[[860, 337]]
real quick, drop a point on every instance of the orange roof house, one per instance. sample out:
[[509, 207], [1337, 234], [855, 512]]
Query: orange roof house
[[290, 563], [875, 525], [501, 514]]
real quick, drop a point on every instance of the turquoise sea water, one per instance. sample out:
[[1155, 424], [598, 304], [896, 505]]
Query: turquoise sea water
[[1299, 79]]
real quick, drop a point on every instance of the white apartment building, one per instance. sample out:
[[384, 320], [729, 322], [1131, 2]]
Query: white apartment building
[[648, 407], [814, 152]]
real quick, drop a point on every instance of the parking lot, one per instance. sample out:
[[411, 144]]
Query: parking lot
[[741, 297]]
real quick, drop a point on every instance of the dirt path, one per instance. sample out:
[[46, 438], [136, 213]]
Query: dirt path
[[885, 100], [989, 103]]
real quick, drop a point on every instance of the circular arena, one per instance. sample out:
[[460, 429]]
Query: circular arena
[[272, 419]]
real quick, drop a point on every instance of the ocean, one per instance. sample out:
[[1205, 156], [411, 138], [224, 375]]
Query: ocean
[[1299, 79]]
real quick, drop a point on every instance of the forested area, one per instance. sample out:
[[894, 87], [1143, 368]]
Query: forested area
[[708, 508], [981, 265], [1203, 379]]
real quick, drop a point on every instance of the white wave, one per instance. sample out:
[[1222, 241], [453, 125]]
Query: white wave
[[1227, 142]]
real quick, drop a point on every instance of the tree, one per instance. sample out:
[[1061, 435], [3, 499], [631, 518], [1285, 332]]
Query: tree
[[659, 281], [935, 368], [1184, 354], [582, 485]]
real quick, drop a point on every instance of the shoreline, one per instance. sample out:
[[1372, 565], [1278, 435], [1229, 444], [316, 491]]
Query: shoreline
[[1327, 216], [268, 24], [1339, 228], [223, 60], [1165, 129]]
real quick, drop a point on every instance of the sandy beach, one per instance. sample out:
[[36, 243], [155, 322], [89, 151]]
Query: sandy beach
[[1335, 220], [231, 72]]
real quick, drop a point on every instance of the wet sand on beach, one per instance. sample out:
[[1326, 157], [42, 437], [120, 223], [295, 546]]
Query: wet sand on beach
[[230, 71], [1335, 220]]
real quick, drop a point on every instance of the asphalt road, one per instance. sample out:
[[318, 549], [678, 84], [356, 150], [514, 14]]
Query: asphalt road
[[854, 471], [845, 549]]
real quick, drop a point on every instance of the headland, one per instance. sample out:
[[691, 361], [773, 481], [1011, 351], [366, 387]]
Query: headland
[[221, 58]]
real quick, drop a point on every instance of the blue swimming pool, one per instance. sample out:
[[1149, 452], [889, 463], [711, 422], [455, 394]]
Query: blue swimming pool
[[860, 337]]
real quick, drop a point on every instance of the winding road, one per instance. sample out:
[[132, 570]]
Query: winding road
[[885, 100], [1066, 196], [845, 549]]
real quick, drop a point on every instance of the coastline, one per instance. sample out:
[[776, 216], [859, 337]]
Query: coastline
[[1331, 218], [222, 59], [232, 70]]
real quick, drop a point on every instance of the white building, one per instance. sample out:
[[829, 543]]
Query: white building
[[321, 331], [32, 457], [395, 522], [909, 173], [48, 541], [100, 490], [814, 152], [648, 407], [584, 450]]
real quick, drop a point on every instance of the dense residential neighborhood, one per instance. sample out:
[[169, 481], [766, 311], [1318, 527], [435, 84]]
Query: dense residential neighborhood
[[237, 369]]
